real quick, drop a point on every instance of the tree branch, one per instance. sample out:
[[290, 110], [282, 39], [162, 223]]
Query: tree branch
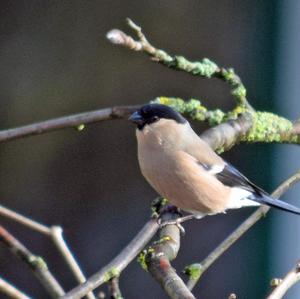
[[253, 126], [35, 263], [56, 234], [196, 270], [67, 121], [114, 288], [286, 283], [32, 224], [205, 68], [296, 128], [11, 291], [265, 126], [57, 237], [158, 256], [224, 136], [118, 264]]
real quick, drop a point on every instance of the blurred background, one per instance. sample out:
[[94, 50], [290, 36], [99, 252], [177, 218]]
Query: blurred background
[[56, 61]]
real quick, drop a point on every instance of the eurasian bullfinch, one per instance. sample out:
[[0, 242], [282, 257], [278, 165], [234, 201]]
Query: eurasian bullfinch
[[183, 168]]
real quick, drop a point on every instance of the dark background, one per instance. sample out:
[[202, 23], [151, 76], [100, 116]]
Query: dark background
[[54, 61]]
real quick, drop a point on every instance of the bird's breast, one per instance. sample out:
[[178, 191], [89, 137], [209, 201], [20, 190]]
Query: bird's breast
[[177, 177]]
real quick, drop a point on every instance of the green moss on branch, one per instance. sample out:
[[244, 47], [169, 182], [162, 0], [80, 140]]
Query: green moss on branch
[[111, 273], [193, 109], [204, 68], [193, 271], [266, 127]]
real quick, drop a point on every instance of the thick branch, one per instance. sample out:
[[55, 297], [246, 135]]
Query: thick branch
[[158, 257], [224, 136], [198, 269], [67, 121], [35, 263], [118, 264], [257, 126], [286, 283]]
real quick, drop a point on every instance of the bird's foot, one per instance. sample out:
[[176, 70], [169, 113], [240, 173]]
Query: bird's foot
[[176, 222], [172, 222]]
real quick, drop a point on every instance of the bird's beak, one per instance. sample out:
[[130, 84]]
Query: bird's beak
[[136, 118]]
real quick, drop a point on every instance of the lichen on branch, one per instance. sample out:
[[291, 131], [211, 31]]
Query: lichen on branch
[[204, 68], [266, 127]]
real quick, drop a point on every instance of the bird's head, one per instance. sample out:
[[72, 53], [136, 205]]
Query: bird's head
[[152, 113]]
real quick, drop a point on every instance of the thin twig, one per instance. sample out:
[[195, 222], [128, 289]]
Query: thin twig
[[56, 234], [114, 288], [286, 283], [205, 68], [118, 264], [35, 263], [236, 234], [34, 225], [57, 237], [67, 121], [11, 291]]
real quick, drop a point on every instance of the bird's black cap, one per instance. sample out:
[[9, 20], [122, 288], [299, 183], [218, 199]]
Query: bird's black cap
[[151, 113]]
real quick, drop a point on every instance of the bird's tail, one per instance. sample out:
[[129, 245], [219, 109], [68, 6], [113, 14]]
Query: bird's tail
[[276, 203]]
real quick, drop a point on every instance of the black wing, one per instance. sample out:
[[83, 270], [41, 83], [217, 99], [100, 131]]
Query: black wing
[[231, 177]]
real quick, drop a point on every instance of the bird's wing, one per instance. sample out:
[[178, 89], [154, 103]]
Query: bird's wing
[[231, 177], [222, 170]]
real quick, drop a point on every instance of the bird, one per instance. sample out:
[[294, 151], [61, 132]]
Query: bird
[[185, 170]]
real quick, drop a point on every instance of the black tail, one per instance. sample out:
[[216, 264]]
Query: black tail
[[276, 203]]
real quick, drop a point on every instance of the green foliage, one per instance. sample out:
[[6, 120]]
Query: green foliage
[[111, 273], [193, 271], [141, 259], [157, 204]]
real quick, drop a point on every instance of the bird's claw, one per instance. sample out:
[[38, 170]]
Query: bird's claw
[[176, 222]]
